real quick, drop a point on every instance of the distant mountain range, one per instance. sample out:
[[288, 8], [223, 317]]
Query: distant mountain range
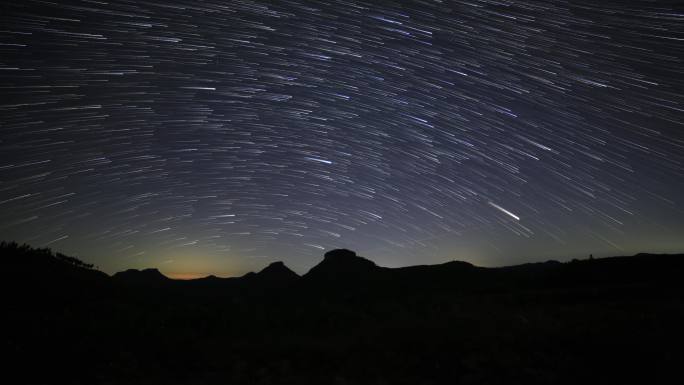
[[342, 271], [346, 321]]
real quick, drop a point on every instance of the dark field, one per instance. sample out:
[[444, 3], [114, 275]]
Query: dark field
[[614, 320]]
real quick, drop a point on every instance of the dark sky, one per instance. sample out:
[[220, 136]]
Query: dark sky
[[218, 136]]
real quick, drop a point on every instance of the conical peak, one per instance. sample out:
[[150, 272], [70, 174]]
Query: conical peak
[[277, 268]]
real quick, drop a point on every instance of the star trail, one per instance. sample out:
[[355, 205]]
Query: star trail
[[216, 136]]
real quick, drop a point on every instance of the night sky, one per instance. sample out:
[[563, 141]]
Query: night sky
[[214, 137]]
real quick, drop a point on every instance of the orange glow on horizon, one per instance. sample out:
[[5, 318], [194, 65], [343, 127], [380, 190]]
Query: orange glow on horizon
[[186, 275]]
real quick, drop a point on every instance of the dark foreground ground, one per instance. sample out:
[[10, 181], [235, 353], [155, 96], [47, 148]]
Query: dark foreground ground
[[613, 321]]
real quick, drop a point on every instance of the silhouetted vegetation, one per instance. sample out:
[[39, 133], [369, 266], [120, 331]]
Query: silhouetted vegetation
[[347, 321], [17, 252]]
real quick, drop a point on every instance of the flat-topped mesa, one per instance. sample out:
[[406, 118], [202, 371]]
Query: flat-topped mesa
[[149, 272], [342, 264], [347, 258], [339, 254], [145, 276]]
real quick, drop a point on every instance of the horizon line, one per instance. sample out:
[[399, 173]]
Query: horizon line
[[192, 276]]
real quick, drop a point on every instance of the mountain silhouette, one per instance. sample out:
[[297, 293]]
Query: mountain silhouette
[[45, 276], [274, 275], [342, 264], [143, 277], [347, 320], [343, 268]]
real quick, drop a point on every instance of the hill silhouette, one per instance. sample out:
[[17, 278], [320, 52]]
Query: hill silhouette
[[275, 275], [144, 277], [340, 267], [346, 321], [47, 276]]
